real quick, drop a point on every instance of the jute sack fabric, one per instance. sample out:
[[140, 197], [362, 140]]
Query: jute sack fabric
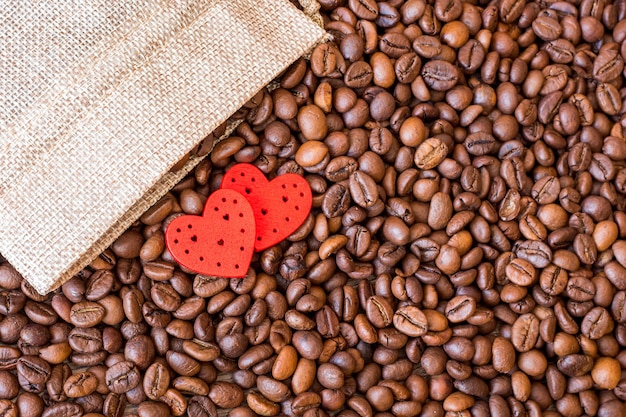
[[99, 99]]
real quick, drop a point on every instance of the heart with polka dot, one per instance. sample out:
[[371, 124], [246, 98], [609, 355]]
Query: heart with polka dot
[[248, 213], [280, 206], [220, 242]]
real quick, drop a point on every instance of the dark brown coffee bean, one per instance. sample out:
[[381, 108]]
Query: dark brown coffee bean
[[460, 308], [596, 323], [140, 350], [427, 46], [609, 64], [201, 406], [165, 297], [32, 369], [430, 153], [358, 75], [536, 252], [525, 332], [410, 321], [364, 9], [85, 340], [122, 377], [9, 386], [379, 312], [156, 381], [575, 364], [29, 405], [546, 190], [363, 189], [226, 394], [63, 409], [521, 272], [153, 409], [440, 211], [86, 314], [440, 75], [182, 363], [336, 201], [407, 67], [479, 143], [80, 384], [510, 10]]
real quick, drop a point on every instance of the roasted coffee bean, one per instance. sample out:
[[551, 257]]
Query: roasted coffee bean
[[521, 272], [536, 252], [29, 405], [336, 201], [201, 406], [153, 409], [33, 369], [63, 409], [525, 332], [440, 75], [156, 381], [80, 384], [430, 153], [9, 386], [122, 377], [411, 321], [86, 314], [363, 189], [379, 312]]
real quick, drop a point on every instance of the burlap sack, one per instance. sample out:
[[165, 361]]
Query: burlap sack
[[98, 99]]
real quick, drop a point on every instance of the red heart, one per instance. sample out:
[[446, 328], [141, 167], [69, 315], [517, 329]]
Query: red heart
[[280, 206], [220, 242]]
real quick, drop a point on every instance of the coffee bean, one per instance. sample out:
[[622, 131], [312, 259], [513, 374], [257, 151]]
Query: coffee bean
[[153, 409], [33, 369], [140, 350], [606, 372], [440, 75], [430, 153], [363, 189], [575, 364], [9, 385], [460, 308], [86, 314], [156, 381], [122, 377], [28, 405], [63, 409], [410, 321], [225, 394], [525, 332], [521, 272], [536, 252], [201, 406], [596, 323], [80, 385], [379, 312]]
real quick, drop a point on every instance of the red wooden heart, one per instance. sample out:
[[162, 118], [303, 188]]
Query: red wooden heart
[[220, 242], [280, 206]]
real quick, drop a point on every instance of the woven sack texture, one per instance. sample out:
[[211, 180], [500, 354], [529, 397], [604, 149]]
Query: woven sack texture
[[99, 99]]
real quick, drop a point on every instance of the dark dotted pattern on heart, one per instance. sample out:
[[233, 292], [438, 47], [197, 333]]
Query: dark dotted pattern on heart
[[265, 211], [278, 204], [229, 249]]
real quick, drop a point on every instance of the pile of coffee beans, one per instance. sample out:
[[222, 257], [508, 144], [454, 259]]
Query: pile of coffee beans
[[465, 255]]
